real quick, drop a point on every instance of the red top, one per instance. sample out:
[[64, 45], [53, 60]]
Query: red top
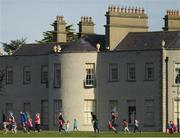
[[30, 123], [37, 119], [110, 125], [125, 123]]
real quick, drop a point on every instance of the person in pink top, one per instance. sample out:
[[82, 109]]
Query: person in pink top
[[30, 124], [37, 122]]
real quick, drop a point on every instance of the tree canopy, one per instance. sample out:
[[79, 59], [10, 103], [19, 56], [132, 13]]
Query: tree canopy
[[48, 36], [10, 47]]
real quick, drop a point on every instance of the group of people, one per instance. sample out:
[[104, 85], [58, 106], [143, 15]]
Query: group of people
[[26, 123], [112, 123], [65, 125], [113, 126], [172, 127]]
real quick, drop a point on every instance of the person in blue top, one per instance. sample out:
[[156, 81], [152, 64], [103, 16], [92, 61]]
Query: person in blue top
[[23, 121], [75, 127]]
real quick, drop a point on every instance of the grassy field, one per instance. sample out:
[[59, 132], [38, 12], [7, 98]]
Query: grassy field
[[88, 134]]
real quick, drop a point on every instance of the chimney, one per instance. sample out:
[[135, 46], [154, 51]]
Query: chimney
[[121, 20], [172, 20], [60, 29], [86, 26]]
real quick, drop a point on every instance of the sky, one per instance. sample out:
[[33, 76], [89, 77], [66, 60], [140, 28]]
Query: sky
[[30, 18]]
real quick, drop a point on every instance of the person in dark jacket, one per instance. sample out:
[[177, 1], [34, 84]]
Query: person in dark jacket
[[95, 122], [61, 122], [23, 121]]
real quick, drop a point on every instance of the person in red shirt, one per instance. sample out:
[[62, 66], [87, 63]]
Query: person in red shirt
[[111, 127], [125, 125], [37, 122], [30, 124]]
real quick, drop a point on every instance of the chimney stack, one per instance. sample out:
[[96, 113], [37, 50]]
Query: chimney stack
[[172, 20], [121, 20], [86, 26], [60, 29]]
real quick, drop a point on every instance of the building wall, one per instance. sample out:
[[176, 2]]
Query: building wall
[[73, 93], [19, 93], [124, 90], [174, 57]]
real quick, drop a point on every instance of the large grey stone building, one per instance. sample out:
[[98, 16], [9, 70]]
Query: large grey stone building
[[128, 70]]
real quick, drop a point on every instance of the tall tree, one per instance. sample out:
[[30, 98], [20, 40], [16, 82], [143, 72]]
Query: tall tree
[[10, 47], [48, 36], [71, 35]]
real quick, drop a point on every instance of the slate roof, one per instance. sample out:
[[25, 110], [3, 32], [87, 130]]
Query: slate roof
[[149, 41], [83, 44], [133, 41]]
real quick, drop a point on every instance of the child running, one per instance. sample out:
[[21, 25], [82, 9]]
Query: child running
[[75, 125], [111, 127], [30, 124], [67, 126], [125, 125], [13, 123], [37, 122]]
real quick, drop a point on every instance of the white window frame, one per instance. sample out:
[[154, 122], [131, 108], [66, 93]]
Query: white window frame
[[90, 80]]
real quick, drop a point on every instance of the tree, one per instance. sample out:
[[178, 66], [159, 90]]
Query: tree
[[13, 45], [71, 35], [48, 36]]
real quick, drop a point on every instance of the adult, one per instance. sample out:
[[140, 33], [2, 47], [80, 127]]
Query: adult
[[111, 127], [23, 121], [113, 118], [95, 122], [61, 122], [136, 126]]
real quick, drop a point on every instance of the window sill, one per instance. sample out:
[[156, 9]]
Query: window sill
[[113, 81], [87, 124], [26, 83], [131, 80], [149, 80], [9, 83], [57, 87], [89, 86], [176, 85]]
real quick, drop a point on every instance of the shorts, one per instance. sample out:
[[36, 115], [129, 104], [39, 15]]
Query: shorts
[[13, 126]]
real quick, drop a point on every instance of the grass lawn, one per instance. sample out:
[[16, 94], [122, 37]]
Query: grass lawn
[[88, 134]]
